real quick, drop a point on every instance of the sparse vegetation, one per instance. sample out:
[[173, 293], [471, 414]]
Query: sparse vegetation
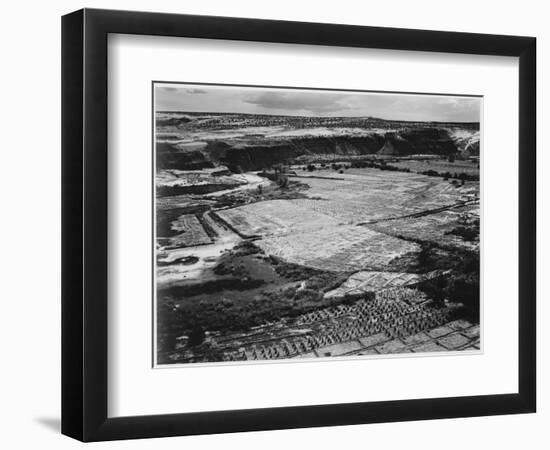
[[461, 285]]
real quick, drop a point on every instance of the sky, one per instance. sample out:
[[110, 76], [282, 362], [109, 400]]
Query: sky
[[317, 103]]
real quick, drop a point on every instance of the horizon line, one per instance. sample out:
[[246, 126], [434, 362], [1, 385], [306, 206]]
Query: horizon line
[[165, 111]]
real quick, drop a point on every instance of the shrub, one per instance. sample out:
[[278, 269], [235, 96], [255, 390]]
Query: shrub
[[308, 295], [234, 168], [196, 336], [470, 233], [460, 286], [430, 173], [289, 292]]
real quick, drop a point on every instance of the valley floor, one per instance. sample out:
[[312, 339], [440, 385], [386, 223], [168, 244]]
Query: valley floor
[[360, 261]]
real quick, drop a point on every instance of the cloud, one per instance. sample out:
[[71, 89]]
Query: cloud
[[196, 91], [317, 103], [183, 90], [298, 101]]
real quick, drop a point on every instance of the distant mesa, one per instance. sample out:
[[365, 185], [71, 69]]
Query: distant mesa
[[252, 142]]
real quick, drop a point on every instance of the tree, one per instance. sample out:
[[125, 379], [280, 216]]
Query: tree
[[282, 180]]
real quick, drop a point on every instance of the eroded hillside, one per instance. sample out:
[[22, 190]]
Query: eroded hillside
[[249, 142]]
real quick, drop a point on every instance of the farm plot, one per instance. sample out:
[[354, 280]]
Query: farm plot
[[337, 248], [437, 228], [190, 232], [365, 281], [274, 217], [365, 195], [398, 320]]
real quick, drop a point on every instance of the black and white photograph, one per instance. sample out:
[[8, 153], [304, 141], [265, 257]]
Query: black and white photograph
[[307, 223]]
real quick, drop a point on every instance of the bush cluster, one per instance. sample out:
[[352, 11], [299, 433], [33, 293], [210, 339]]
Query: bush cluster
[[460, 286]]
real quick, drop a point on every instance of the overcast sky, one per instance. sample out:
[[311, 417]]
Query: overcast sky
[[295, 102]]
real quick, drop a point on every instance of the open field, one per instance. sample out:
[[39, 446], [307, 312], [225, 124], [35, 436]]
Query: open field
[[274, 217], [436, 228], [340, 248], [361, 195], [441, 166], [358, 195]]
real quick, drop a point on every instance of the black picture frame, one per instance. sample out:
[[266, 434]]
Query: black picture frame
[[84, 224]]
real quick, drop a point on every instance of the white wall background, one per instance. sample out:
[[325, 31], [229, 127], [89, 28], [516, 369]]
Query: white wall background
[[30, 237]]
